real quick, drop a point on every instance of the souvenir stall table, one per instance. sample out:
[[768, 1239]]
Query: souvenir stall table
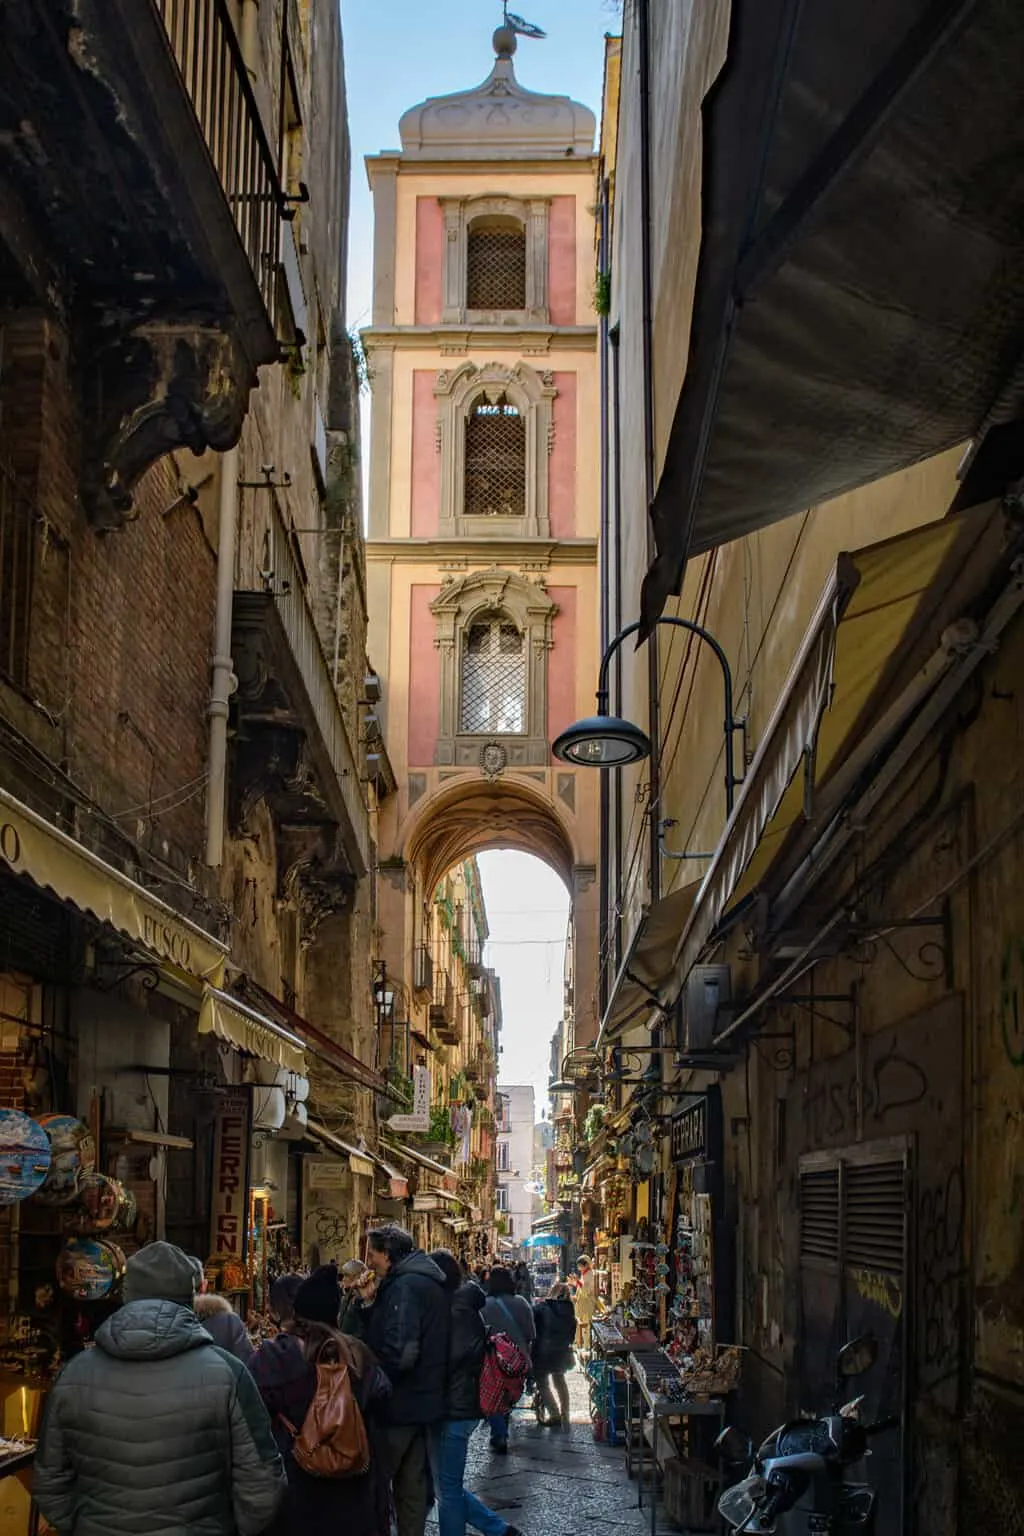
[[674, 1413], [611, 1340]]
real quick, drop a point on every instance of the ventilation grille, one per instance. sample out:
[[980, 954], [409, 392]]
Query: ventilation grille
[[819, 1214], [495, 460], [496, 269], [875, 1216], [493, 679]]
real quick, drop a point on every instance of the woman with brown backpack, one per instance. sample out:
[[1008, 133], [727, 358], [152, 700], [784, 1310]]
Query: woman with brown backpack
[[324, 1393]]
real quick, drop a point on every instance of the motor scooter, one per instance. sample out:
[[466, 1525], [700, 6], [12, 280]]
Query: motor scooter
[[798, 1474]]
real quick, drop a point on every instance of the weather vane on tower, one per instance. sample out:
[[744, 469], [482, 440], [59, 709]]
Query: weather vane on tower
[[520, 26]]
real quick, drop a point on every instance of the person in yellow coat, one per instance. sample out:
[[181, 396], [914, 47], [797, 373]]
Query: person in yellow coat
[[585, 1301]]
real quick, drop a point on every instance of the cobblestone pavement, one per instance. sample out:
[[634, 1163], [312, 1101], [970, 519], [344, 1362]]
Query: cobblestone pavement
[[555, 1482]]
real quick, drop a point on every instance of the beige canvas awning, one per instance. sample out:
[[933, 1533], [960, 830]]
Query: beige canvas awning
[[358, 1155], [648, 961], [877, 601], [32, 846], [246, 1030]]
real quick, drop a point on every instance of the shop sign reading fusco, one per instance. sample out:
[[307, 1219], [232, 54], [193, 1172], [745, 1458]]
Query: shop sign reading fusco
[[166, 941], [30, 845], [10, 843]]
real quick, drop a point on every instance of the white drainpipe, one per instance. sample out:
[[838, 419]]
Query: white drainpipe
[[223, 681]]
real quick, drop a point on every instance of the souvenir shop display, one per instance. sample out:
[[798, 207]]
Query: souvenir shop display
[[103, 1205], [25, 1156], [89, 1268], [650, 1272], [73, 1154], [692, 1309]]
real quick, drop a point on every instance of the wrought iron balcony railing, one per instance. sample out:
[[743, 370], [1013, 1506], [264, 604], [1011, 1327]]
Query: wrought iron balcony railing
[[206, 50]]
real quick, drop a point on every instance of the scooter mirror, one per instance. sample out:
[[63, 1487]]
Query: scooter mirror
[[858, 1356], [733, 1445]]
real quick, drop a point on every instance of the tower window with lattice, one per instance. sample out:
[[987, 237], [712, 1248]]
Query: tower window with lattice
[[493, 678], [496, 264], [495, 459]]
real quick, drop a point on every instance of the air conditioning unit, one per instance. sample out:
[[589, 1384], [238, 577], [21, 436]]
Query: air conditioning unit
[[422, 969], [703, 1006]]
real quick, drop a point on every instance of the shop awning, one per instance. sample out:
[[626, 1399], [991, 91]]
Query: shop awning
[[859, 297], [648, 961], [420, 1159], [32, 846], [838, 705], [317, 1043], [246, 1030], [356, 1155]]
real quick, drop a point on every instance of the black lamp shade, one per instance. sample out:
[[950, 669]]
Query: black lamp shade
[[602, 741]]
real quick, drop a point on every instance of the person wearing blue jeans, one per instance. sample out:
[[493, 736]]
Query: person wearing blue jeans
[[457, 1507], [505, 1312], [448, 1440]]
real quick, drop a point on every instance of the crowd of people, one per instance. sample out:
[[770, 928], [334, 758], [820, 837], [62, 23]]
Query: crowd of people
[[174, 1421]]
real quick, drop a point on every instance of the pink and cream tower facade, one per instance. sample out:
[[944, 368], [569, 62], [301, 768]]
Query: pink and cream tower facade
[[484, 501]]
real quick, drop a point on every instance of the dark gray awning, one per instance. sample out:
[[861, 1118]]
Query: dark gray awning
[[860, 292]]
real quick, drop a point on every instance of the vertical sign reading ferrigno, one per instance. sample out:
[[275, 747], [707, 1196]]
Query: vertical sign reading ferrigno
[[230, 1169]]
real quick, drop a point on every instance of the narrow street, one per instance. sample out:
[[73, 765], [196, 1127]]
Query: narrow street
[[552, 1483]]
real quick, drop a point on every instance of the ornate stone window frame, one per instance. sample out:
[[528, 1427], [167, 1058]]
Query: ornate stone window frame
[[532, 393], [529, 607], [459, 214]]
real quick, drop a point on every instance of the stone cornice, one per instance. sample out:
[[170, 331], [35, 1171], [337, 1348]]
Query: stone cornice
[[515, 553], [391, 160], [459, 340]]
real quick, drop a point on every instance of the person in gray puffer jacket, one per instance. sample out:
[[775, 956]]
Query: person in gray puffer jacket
[[157, 1430]]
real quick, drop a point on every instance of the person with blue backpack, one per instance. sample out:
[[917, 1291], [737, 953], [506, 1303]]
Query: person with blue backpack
[[512, 1315]]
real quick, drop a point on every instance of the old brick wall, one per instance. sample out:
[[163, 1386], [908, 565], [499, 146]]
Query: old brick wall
[[121, 624]]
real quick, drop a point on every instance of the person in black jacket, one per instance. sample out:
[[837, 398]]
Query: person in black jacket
[[555, 1318], [448, 1442], [407, 1329]]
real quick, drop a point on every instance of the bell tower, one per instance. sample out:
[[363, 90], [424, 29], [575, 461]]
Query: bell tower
[[484, 495]]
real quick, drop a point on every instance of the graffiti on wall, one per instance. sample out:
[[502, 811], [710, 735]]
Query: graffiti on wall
[[1011, 1002], [886, 1291], [892, 1084], [940, 1238]]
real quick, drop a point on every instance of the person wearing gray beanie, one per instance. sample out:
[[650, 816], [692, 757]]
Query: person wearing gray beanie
[[157, 1393], [161, 1272]]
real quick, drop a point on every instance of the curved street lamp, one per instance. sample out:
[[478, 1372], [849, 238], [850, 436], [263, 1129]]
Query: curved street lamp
[[607, 741]]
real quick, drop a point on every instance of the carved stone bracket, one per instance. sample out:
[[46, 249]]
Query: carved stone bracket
[[312, 877], [155, 388]]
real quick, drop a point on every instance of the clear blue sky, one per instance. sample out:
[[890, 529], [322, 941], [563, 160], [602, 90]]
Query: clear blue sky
[[396, 53], [399, 51]]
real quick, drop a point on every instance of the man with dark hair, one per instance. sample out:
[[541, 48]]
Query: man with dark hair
[[407, 1329]]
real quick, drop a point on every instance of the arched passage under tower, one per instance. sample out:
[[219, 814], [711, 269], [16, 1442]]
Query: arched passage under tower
[[461, 819]]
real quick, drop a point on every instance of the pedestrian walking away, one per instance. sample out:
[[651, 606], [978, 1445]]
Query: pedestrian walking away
[[285, 1371], [505, 1312], [555, 1318], [157, 1430], [448, 1442], [523, 1281], [407, 1330], [224, 1325]]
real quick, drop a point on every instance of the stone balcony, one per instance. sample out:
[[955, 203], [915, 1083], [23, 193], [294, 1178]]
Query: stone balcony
[[141, 204], [291, 746]]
